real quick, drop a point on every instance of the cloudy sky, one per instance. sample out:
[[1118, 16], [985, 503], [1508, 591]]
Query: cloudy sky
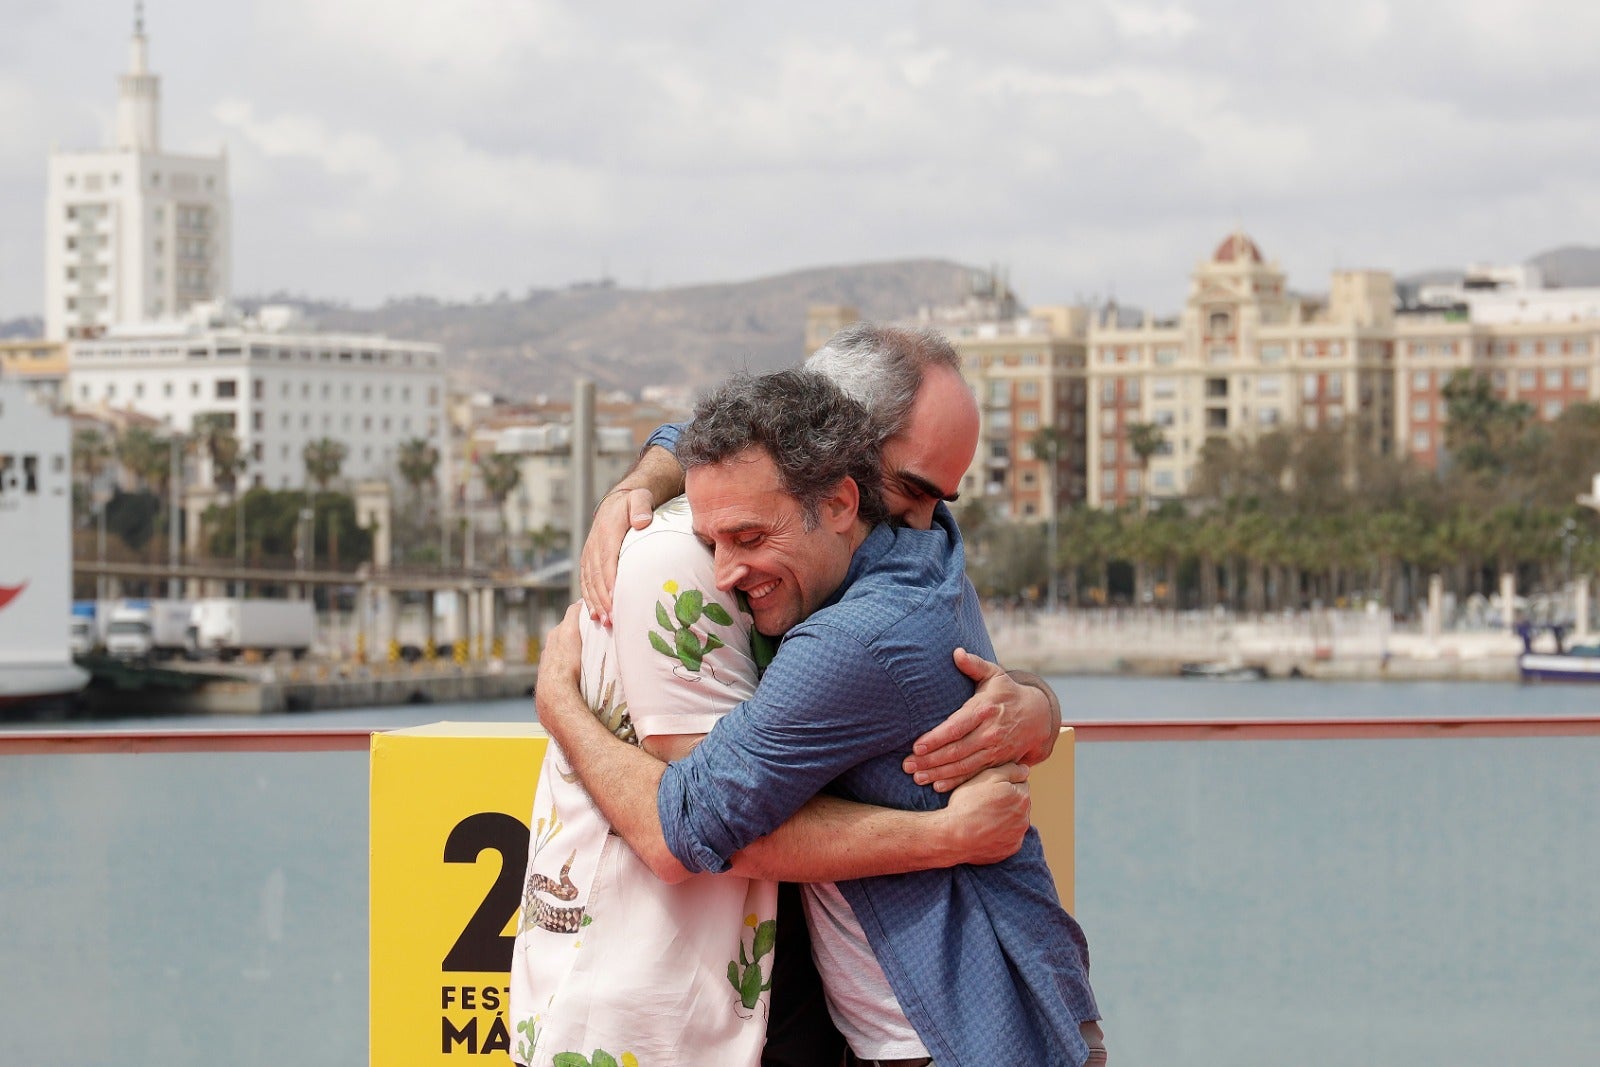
[[463, 147]]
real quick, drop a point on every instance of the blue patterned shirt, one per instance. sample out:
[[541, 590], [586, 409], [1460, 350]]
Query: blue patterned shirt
[[986, 964]]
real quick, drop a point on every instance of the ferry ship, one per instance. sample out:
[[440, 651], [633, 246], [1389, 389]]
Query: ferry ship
[[35, 552]]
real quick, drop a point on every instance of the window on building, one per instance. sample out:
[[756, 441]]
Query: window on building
[[1216, 388], [1030, 421], [1552, 379], [1421, 380], [1579, 377], [1272, 353], [1552, 408], [1220, 354], [1421, 441], [1108, 392], [1166, 356], [1580, 347], [1162, 417], [1526, 379], [1267, 416], [1130, 390], [1108, 483], [1336, 385], [227, 388], [1163, 388], [1218, 323], [194, 389], [1421, 411], [1309, 387]]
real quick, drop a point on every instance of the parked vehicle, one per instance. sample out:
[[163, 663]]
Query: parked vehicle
[[228, 626], [88, 625], [151, 629]]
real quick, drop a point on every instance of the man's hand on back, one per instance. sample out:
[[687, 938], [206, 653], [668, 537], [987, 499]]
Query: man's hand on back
[[655, 479], [1004, 722], [990, 814], [620, 511]]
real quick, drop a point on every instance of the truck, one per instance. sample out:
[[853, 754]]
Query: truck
[[141, 630], [89, 620], [228, 626]]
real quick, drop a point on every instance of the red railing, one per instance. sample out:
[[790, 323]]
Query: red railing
[[68, 742]]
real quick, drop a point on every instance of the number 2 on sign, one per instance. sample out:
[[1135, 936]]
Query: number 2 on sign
[[482, 945]]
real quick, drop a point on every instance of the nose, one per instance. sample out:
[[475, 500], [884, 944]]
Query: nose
[[729, 573]]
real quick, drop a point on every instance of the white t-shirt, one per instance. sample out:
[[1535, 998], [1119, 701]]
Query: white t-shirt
[[608, 957]]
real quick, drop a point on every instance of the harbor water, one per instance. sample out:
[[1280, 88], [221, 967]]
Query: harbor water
[[1268, 902]]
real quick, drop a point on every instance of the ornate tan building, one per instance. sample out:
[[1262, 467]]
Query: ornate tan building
[[1244, 356]]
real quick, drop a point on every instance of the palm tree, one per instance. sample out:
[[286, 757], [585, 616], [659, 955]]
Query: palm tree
[[501, 475], [212, 434], [323, 459], [148, 457], [1146, 439], [91, 455], [418, 461]]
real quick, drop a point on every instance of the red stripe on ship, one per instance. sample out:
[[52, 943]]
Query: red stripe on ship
[[8, 593]]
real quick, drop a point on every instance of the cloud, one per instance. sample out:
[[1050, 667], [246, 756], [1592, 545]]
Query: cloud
[[380, 148]]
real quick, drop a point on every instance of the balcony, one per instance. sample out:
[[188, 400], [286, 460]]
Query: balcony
[[1257, 891]]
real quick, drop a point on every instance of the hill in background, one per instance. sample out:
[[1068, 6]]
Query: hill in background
[[628, 338]]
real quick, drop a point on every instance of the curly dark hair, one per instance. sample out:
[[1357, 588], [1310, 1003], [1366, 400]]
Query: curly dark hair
[[814, 433]]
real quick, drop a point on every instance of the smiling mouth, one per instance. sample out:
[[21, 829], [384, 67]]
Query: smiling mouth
[[758, 592]]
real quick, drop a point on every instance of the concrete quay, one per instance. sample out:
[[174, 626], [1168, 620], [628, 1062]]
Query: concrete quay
[[1346, 646], [309, 686]]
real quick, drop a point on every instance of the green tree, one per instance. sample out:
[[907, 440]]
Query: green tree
[[1481, 430], [324, 458], [418, 462], [1146, 439], [501, 475]]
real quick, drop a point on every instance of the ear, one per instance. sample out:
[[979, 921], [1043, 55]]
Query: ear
[[839, 507]]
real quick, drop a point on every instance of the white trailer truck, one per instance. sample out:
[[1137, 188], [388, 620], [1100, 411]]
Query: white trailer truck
[[151, 629], [227, 626]]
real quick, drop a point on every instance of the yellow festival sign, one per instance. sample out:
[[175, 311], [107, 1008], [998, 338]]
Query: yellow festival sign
[[450, 804]]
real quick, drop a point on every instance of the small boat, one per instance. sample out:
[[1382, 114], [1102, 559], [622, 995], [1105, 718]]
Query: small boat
[[1580, 663], [1224, 672]]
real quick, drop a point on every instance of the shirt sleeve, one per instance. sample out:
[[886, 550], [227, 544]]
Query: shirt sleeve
[[666, 435], [825, 705], [682, 646]]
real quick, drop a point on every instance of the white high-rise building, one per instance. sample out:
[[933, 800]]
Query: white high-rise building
[[133, 233]]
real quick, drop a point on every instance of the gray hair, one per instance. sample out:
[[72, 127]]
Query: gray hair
[[881, 368], [814, 433]]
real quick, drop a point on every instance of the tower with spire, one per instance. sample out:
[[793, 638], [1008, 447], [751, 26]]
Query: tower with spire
[[132, 233]]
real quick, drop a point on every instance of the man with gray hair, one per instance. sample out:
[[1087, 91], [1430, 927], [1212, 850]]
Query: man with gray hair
[[925, 423], [959, 965]]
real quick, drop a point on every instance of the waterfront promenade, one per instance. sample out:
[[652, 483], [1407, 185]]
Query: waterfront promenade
[[1313, 644]]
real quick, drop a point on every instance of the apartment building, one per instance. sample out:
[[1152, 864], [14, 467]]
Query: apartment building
[[277, 383], [1242, 357], [1535, 344], [132, 232]]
